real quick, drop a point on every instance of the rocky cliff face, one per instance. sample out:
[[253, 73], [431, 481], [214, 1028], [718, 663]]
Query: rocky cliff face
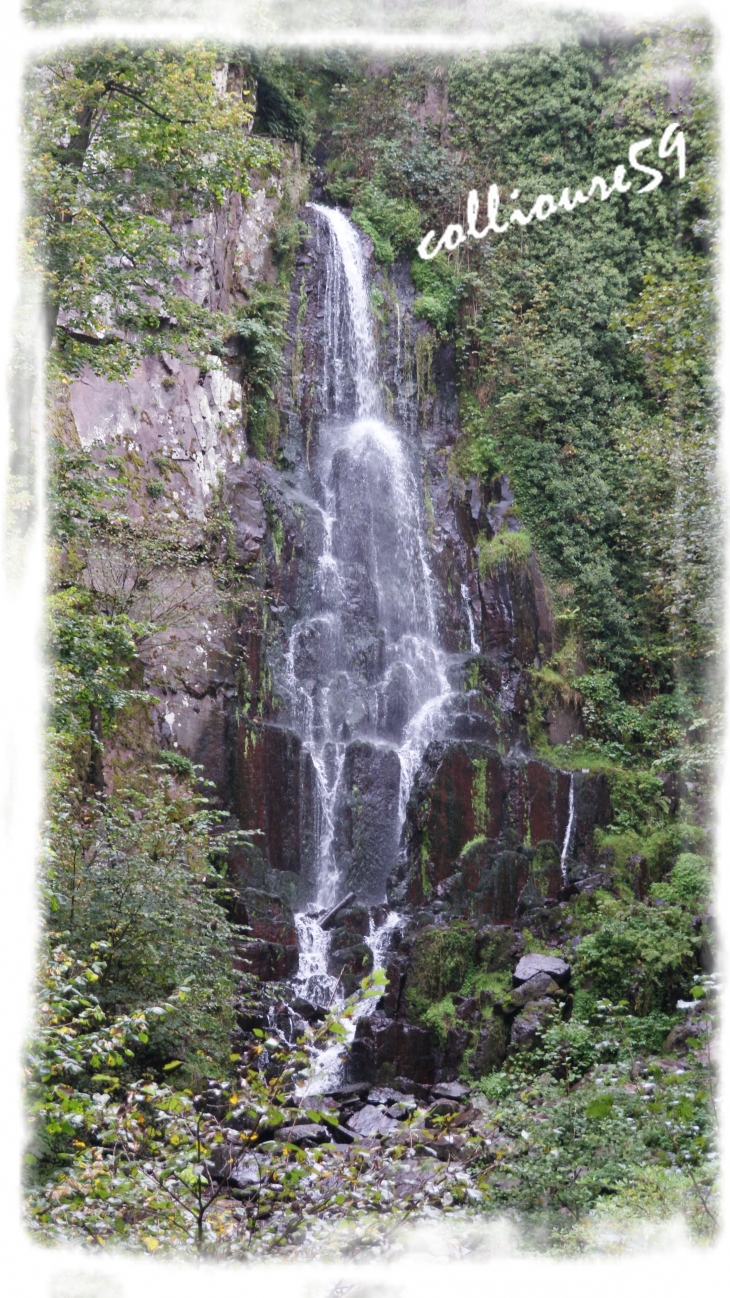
[[491, 835]]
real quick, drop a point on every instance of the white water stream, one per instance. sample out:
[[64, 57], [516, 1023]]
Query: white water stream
[[363, 664]]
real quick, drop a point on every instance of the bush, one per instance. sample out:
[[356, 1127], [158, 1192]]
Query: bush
[[690, 878], [132, 871], [643, 956], [394, 224]]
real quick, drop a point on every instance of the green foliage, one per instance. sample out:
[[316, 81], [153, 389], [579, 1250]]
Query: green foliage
[[440, 289], [441, 959], [259, 333], [689, 877], [641, 955], [394, 225], [637, 800], [132, 870], [510, 548], [93, 652], [178, 763], [123, 143]]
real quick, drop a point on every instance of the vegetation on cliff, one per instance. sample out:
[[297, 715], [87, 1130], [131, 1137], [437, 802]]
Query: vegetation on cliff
[[583, 353]]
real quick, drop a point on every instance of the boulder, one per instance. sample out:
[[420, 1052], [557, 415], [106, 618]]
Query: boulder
[[491, 1048], [371, 1121], [309, 1133], [535, 989], [528, 1025], [531, 965], [451, 1090]]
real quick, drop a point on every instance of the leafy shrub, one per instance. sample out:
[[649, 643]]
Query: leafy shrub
[[177, 762], [133, 872], [394, 224], [440, 288], [643, 956], [689, 878]]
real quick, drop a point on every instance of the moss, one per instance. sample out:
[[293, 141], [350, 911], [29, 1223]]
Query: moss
[[510, 548], [440, 962], [473, 842], [479, 794], [439, 1018], [423, 350]]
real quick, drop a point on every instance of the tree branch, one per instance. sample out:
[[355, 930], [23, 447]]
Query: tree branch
[[120, 89]]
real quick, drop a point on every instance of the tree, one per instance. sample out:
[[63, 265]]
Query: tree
[[123, 144]]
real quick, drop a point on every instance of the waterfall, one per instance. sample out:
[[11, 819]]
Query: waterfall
[[473, 642], [568, 828], [363, 678]]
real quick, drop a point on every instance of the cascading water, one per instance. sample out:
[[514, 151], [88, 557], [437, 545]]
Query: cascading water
[[362, 665], [568, 829]]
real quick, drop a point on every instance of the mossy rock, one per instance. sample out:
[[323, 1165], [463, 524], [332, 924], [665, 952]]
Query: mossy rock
[[441, 959]]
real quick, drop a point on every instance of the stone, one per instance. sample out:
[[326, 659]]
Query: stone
[[274, 786], [384, 1095], [309, 1133], [676, 1041], [327, 921], [351, 1091], [447, 1147], [367, 818], [441, 1109], [530, 965], [305, 1010], [371, 1121], [385, 1048], [402, 1109], [245, 1174], [245, 507], [535, 989], [491, 1048], [450, 1090], [528, 1025]]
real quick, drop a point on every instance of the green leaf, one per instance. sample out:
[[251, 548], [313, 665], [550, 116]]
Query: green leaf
[[600, 1107], [174, 1063]]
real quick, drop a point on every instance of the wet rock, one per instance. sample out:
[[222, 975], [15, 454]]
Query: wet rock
[[371, 1121], [451, 1090], [246, 1174], [457, 1040], [327, 921], [306, 1134], [305, 1010], [349, 1091], [339, 1133], [540, 986], [402, 1109], [271, 951], [268, 961], [385, 1095], [470, 814], [384, 1048], [447, 1147], [366, 837], [681, 1033], [532, 965], [491, 1048], [528, 1025], [442, 1109], [275, 792], [246, 511]]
